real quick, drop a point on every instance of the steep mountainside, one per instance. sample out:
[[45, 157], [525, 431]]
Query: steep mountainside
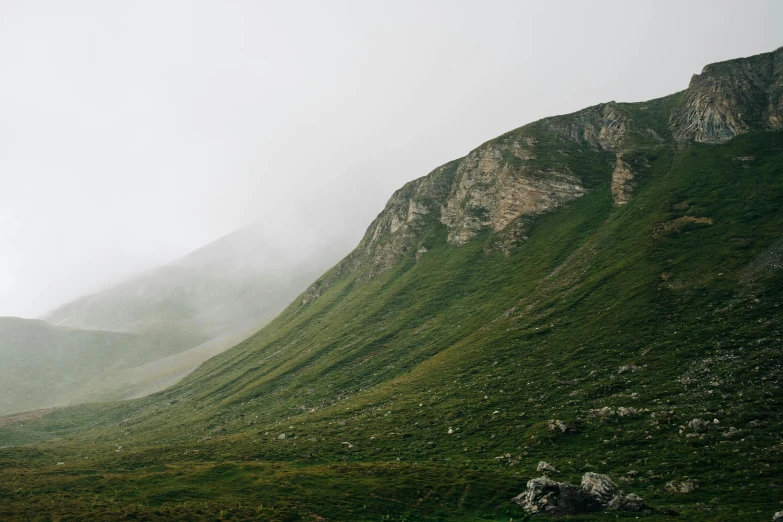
[[150, 331], [600, 291]]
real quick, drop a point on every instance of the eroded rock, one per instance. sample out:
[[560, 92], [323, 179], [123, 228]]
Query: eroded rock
[[490, 192], [600, 486], [698, 425], [622, 178], [544, 466], [544, 495], [683, 487], [596, 492], [731, 98], [554, 424]]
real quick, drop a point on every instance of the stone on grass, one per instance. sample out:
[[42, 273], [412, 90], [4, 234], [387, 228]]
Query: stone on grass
[[600, 487], [683, 487], [698, 425], [544, 466], [544, 495], [596, 492], [555, 424]]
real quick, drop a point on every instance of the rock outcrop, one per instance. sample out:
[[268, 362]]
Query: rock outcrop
[[490, 192], [622, 179], [731, 98], [546, 467], [596, 492], [504, 184], [544, 495]]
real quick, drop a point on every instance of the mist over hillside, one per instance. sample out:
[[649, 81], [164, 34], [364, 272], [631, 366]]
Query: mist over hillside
[[580, 318], [146, 333]]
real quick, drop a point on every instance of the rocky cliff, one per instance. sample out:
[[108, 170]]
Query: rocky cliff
[[502, 185], [731, 98]]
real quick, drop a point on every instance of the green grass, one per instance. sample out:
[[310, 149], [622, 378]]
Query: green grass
[[367, 380]]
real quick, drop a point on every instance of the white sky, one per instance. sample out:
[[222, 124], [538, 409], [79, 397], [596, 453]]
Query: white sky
[[134, 132]]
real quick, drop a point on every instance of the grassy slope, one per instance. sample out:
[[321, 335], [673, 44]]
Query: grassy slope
[[489, 345], [45, 365]]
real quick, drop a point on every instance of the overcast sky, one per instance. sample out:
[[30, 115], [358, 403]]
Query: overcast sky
[[134, 132]]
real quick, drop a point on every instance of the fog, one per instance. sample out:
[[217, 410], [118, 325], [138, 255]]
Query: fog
[[134, 132]]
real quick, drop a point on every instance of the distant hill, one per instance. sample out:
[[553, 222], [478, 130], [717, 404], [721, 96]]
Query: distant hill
[[45, 365], [236, 282], [151, 330]]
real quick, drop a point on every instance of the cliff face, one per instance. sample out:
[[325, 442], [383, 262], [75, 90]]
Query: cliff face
[[503, 184], [490, 193], [732, 98]]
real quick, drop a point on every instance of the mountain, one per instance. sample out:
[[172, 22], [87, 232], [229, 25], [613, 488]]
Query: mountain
[[599, 290], [150, 331], [236, 281]]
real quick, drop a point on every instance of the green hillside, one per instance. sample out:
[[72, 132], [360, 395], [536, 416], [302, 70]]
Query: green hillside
[[577, 291]]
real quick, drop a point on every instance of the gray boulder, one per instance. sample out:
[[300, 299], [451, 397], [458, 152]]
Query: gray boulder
[[682, 487], [545, 466], [596, 492], [777, 517], [600, 487], [629, 502], [698, 425], [544, 495]]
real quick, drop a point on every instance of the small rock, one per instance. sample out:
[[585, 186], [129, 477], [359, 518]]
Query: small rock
[[777, 517], [450, 430], [628, 502], [600, 486], [626, 412], [698, 425], [544, 466], [604, 412], [61, 463], [554, 424], [683, 487], [281, 436], [628, 368]]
